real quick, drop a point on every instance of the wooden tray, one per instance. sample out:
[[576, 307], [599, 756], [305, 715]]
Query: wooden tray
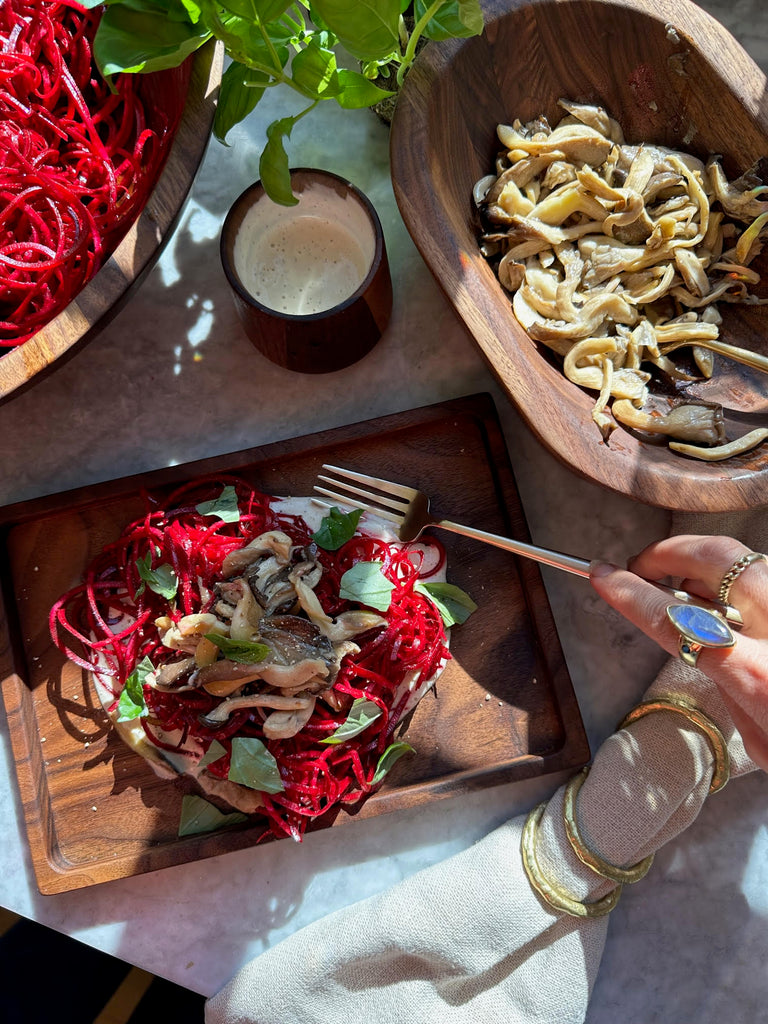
[[504, 709]]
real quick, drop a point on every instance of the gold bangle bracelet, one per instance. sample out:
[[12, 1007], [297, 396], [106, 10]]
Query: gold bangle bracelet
[[670, 702], [583, 852], [551, 893]]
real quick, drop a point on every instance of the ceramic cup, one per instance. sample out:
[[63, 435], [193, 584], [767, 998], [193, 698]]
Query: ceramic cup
[[311, 282]]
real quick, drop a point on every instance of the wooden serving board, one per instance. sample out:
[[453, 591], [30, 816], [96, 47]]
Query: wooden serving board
[[503, 710]]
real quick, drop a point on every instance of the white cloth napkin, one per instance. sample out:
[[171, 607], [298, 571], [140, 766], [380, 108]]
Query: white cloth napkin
[[468, 940]]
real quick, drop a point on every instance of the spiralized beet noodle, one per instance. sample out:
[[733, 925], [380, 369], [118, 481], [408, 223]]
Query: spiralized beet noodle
[[77, 161], [315, 776]]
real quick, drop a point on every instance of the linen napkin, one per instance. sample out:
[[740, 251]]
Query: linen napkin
[[469, 939]]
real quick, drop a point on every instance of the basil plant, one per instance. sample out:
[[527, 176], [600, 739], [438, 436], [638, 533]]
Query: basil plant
[[299, 44]]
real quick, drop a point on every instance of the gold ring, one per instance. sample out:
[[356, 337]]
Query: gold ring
[[698, 628], [551, 893], [583, 852], [735, 571], [671, 702]]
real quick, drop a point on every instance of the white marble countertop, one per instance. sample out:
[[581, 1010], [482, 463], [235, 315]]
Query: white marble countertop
[[172, 379]]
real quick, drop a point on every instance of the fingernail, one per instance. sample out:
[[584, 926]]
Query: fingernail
[[602, 568]]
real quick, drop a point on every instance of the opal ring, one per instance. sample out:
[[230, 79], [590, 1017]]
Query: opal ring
[[698, 628], [735, 571]]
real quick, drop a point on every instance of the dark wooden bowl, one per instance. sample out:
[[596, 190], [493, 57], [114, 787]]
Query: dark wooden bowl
[[694, 89], [192, 90]]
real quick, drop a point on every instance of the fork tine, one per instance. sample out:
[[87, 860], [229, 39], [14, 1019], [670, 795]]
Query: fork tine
[[407, 493], [341, 500], [398, 505]]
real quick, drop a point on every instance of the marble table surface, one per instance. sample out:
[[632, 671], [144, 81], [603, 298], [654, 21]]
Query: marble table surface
[[172, 379]]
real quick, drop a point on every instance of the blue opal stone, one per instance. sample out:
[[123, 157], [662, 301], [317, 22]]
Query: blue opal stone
[[701, 626]]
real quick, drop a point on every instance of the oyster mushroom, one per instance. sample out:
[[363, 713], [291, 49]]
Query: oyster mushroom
[[222, 711], [273, 542], [688, 421], [282, 725]]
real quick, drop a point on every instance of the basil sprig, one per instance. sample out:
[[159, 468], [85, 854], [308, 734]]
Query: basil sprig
[[162, 579], [366, 583], [454, 604], [336, 528], [247, 652], [198, 815], [224, 507], [362, 714], [131, 703], [252, 765]]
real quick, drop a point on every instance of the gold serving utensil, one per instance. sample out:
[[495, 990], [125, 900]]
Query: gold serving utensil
[[408, 509], [739, 355]]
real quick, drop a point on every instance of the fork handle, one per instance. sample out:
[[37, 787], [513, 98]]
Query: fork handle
[[579, 566]]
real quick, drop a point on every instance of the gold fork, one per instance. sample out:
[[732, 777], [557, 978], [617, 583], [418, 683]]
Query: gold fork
[[408, 509]]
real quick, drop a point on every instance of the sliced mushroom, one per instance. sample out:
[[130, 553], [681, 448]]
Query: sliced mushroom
[[282, 725], [687, 422], [273, 542], [223, 710], [172, 672]]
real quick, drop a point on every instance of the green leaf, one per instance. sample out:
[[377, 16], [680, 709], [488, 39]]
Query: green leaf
[[197, 816], [362, 713], [357, 91], [240, 91], [314, 71], [252, 765], [368, 29], [142, 36], [273, 164], [456, 19], [161, 580], [131, 703], [214, 753], [336, 528], [224, 507], [455, 606], [367, 584], [392, 754], [245, 651]]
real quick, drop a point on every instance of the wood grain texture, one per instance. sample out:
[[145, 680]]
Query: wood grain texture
[[194, 87], [95, 811], [694, 89]]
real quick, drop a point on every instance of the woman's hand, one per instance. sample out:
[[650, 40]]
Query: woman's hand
[[740, 672]]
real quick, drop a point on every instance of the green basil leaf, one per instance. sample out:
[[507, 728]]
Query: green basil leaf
[[214, 753], [161, 580], [362, 713], [240, 91], [357, 91], [197, 816], [141, 36], [336, 528], [314, 71], [456, 19], [455, 606], [368, 29], [224, 507], [392, 754], [131, 703], [245, 651], [273, 164], [253, 766], [367, 584]]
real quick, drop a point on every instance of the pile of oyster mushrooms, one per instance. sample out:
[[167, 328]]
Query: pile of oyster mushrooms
[[619, 254], [266, 597]]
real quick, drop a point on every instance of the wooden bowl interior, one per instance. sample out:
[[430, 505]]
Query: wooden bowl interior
[[184, 98], [694, 89]]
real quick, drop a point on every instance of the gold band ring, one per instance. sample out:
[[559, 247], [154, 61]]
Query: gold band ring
[[582, 850], [722, 770], [735, 571], [549, 891]]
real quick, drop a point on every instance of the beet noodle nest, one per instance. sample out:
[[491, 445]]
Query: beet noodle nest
[[263, 647], [618, 255]]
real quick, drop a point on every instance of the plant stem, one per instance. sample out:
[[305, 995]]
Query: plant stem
[[418, 29]]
